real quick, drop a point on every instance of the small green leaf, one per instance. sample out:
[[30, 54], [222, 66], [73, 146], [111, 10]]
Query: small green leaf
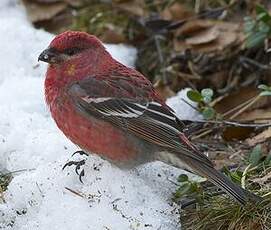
[[264, 87], [255, 39], [249, 25], [182, 178], [267, 160], [194, 95], [262, 13], [236, 176], [182, 190], [207, 95], [208, 113], [255, 155], [265, 93]]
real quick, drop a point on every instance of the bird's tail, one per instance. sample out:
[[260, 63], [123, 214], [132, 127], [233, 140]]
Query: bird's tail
[[224, 183], [217, 178]]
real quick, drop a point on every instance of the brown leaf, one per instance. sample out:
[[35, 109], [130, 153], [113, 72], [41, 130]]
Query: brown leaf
[[236, 133], [204, 36], [136, 8], [207, 36], [232, 100], [263, 136], [252, 114], [176, 11], [40, 11], [256, 115], [163, 90], [113, 35], [75, 3]]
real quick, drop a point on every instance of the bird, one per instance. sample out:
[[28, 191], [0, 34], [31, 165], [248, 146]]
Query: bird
[[111, 110]]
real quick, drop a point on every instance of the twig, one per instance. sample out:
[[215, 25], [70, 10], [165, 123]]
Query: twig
[[193, 107], [238, 124], [243, 178], [74, 192], [255, 63], [245, 107], [237, 107], [161, 58]]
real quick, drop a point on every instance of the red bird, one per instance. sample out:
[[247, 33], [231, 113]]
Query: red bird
[[109, 109]]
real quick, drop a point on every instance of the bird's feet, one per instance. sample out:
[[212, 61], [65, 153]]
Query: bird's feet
[[77, 164]]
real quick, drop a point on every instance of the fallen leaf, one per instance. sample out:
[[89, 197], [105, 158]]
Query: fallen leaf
[[75, 3], [204, 36], [176, 12], [38, 11], [114, 35], [236, 133], [136, 8], [256, 115], [261, 137], [163, 90]]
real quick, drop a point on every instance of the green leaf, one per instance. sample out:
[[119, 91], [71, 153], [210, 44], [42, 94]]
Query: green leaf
[[207, 95], [264, 87], [255, 39], [264, 28], [194, 95], [208, 113], [267, 160], [183, 190], [249, 25], [262, 13], [265, 93], [236, 176], [182, 178], [255, 155]]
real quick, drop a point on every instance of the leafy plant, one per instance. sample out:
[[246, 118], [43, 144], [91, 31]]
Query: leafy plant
[[187, 188], [258, 29], [265, 90], [203, 98]]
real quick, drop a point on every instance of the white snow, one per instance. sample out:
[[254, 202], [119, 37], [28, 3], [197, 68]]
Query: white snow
[[43, 196], [184, 107]]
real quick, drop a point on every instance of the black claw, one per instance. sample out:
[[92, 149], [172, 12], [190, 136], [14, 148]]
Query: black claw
[[77, 164], [80, 152], [82, 173], [70, 163]]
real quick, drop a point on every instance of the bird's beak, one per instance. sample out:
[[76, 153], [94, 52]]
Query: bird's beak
[[49, 55]]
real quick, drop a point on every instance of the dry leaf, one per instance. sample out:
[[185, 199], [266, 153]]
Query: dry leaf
[[257, 115], [176, 11], [75, 3], [112, 34], [163, 90], [207, 36], [266, 134], [41, 11], [232, 100], [236, 133], [136, 8], [204, 36]]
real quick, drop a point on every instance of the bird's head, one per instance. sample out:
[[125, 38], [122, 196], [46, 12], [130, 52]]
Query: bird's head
[[74, 50]]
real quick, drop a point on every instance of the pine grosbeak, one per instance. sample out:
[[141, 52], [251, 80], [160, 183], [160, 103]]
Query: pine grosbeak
[[112, 110]]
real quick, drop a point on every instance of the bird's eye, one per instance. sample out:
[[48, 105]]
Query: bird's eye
[[72, 51]]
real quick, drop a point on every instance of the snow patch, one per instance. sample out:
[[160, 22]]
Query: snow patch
[[41, 195]]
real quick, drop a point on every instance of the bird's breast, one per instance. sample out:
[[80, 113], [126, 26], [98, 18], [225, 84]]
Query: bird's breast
[[98, 136]]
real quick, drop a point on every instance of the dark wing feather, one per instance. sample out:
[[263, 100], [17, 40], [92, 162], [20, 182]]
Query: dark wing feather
[[145, 118]]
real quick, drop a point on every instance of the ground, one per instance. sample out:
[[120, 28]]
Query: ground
[[41, 194]]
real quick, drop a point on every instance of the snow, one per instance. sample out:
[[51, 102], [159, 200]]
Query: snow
[[184, 107], [42, 195]]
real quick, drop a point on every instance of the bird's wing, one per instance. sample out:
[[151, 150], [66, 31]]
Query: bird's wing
[[138, 114]]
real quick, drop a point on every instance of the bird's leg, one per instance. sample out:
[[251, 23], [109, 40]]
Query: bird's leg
[[78, 165]]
